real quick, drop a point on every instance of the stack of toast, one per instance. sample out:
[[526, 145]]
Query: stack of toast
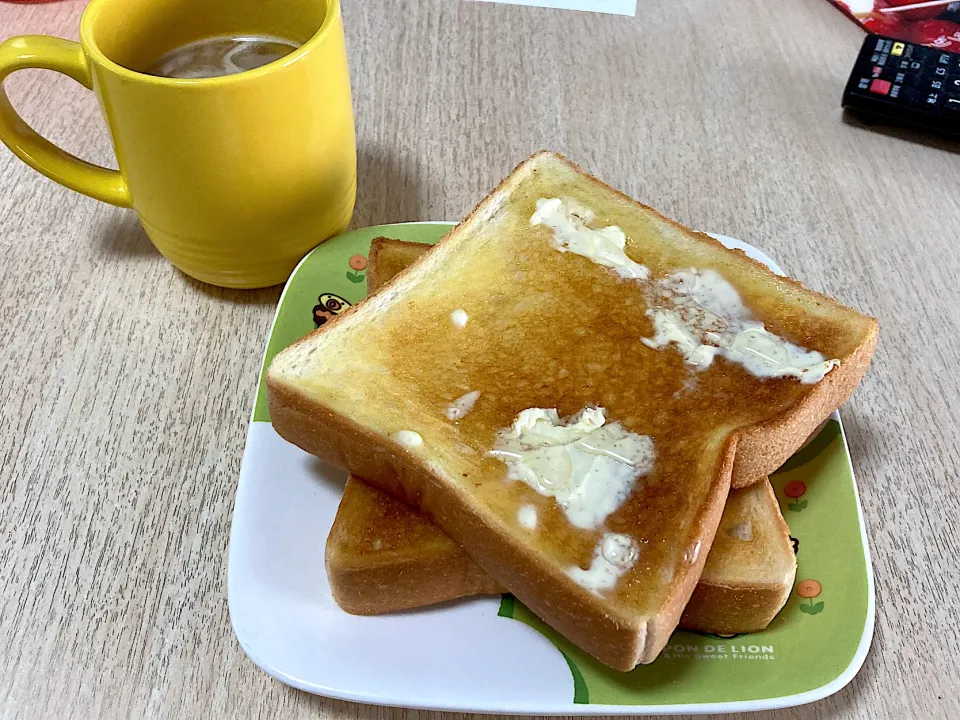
[[576, 400]]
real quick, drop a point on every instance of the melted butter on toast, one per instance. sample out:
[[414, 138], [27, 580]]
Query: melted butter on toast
[[614, 555], [462, 405], [690, 306], [589, 466], [569, 220]]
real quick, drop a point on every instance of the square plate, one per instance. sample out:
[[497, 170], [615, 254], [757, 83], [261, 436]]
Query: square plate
[[492, 654]]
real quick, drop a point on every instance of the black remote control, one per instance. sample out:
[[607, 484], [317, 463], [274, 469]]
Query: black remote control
[[901, 83]]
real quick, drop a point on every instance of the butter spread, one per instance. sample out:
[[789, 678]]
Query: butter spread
[[408, 438], [461, 406], [614, 555], [569, 221], [459, 318], [589, 466], [702, 314], [527, 517]]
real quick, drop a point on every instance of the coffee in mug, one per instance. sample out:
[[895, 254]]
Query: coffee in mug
[[221, 55]]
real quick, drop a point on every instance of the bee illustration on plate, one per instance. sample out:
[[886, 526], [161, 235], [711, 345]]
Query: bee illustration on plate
[[330, 306]]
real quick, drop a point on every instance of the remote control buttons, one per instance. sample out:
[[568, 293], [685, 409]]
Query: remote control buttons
[[907, 83]]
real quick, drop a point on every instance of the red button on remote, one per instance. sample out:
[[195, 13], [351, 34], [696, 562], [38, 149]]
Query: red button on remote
[[880, 87]]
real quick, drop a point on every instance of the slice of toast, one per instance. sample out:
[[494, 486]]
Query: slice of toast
[[615, 363], [750, 570], [382, 556]]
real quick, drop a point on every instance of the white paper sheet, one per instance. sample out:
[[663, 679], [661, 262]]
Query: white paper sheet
[[613, 7]]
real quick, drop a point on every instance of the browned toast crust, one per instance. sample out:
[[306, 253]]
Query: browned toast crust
[[762, 449], [729, 610]]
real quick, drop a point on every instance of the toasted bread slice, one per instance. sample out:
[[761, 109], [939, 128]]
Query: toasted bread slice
[[382, 556], [549, 328], [750, 570]]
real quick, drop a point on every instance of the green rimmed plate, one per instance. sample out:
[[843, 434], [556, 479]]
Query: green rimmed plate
[[493, 655]]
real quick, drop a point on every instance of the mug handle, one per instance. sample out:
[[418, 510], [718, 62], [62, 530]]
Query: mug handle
[[63, 56]]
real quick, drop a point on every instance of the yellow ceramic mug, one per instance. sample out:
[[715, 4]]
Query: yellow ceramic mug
[[234, 178]]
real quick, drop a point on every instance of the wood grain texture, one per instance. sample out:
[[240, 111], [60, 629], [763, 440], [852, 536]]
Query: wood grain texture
[[126, 387]]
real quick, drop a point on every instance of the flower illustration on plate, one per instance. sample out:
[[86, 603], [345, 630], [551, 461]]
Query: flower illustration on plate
[[795, 490], [359, 264], [808, 590], [329, 307]]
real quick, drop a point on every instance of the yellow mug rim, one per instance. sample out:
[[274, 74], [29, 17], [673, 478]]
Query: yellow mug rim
[[90, 46]]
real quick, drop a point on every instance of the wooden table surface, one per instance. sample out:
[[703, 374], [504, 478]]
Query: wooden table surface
[[126, 387]]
